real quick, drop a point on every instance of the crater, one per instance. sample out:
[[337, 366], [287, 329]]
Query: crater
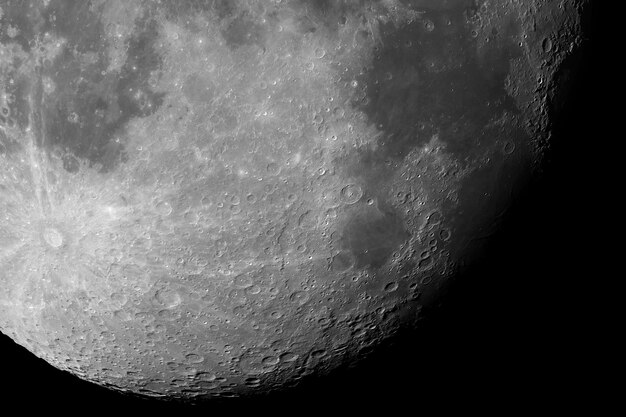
[[53, 237], [199, 89], [243, 30], [373, 235]]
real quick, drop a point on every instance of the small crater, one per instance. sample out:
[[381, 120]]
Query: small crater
[[351, 193], [342, 261], [253, 364], [71, 164], [508, 148], [119, 298], [253, 290], [434, 218], [270, 361], [53, 237], [243, 280], [273, 168], [243, 31], [237, 296], [288, 357], [198, 89], [224, 120], [253, 382], [168, 298], [193, 358], [429, 25], [307, 220], [373, 236], [445, 234], [320, 53], [426, 263], [546, 45], [320, 353], [299, 297], [163, 208]]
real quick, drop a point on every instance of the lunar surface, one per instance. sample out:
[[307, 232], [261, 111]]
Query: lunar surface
[[205, 199]]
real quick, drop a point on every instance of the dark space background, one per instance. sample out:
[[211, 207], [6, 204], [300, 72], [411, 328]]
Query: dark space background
[[507, 334]]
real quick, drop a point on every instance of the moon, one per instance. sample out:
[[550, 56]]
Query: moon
[[204, 199]]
